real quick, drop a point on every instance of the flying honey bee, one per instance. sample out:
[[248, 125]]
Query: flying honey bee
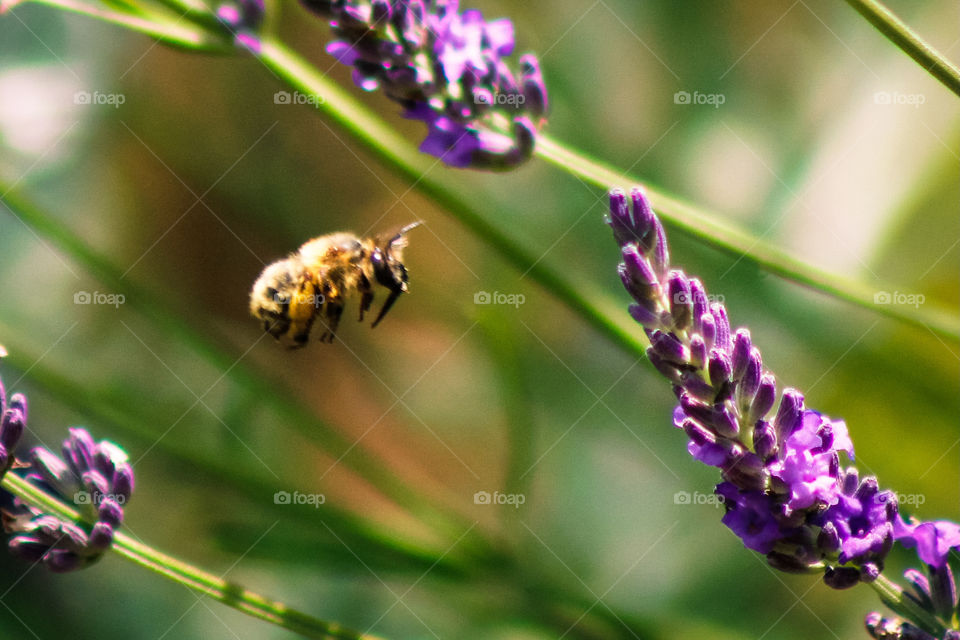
[[292, 293]]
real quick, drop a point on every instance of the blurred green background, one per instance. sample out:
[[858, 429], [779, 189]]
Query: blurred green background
[[199, 178]]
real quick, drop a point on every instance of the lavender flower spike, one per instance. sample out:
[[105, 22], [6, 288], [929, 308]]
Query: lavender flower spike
[[93, 477], [447, 69], [786, 491]]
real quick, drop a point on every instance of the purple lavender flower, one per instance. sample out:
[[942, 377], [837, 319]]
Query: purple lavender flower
[[785, 490], [13, 420], [96, 479], [933, 540], [447, 69], [243, 19]]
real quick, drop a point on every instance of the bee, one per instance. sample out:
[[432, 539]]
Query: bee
[[314, 282]]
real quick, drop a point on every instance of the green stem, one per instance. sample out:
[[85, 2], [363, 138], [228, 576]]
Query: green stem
[[892, 596], [897, 31], [166, 29], [694, 222], [194, 578]]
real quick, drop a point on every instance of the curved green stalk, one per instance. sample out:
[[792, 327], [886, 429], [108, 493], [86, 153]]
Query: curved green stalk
[[194, 578], [897, 31], [694, 222]]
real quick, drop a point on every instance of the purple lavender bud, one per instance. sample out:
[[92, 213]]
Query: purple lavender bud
[[621, 218], [534, 88], [764, 440], [921, 588], [725, 421], [644, 316], [669, 347], [787, 563], [829, 538], [719, 368], [123, 482], [111, 513], [719, 313], [96, 485], [741, 351], [750, 381], [661, 254], [702, 413], [708, 329], [641, 281], [644, 219], [698, 352], [763, 399], [101, 537], [943, 591], [747, 472], [11, 429], [841, 577], [78, 451], [789, 413], [693, 384], [667, 370], [681, 307], [698, 296], [50, 468], [27, 548], [62, 561], [18, 401]]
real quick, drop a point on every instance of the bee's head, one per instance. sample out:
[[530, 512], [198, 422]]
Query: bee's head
[[272, 294], [387, 259]]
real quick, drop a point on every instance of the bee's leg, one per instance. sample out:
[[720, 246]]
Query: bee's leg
[[394, 294], [366, 295], [333, 312]]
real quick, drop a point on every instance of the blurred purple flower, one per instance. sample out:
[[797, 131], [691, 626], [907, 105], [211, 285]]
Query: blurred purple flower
[[243, 19], [447, 69]]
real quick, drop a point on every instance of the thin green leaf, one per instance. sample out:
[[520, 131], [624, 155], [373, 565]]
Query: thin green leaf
[[897, 31]]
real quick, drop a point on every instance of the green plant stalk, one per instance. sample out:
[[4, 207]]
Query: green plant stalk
[[123, 414], [892, 596], [202, 582], [166, 29], [158, 308], [688, 219], [897, 32]]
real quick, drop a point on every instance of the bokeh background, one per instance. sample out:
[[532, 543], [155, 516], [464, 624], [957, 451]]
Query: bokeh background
[[199, 178]]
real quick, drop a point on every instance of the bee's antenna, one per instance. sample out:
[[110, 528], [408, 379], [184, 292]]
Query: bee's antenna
[[398, 238]]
